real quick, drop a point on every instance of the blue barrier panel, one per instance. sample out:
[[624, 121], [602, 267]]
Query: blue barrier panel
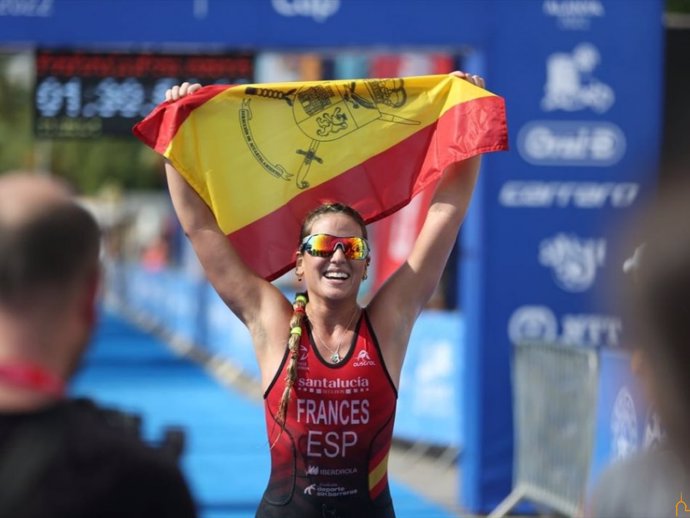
[[227, 337], [428, 399], [624, 421], [146, 295], [183, 307]]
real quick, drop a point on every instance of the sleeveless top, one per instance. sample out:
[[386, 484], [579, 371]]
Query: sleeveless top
[[331, 460]]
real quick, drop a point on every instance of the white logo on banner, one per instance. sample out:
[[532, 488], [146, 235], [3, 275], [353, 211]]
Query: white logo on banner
[[319, 10], [539, 324], [574, 14], [574, 261], [38, 8], [624, 436], [570, 85], [571, 143], [532, 324], [581, 195]]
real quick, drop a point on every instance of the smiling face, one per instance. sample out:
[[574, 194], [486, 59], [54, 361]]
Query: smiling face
[[335, 277]]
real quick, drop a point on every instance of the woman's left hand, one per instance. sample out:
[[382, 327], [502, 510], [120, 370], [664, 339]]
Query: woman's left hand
[[472, 78]]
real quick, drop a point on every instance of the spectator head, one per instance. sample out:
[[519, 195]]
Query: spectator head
[[49, 250], [657, 303]]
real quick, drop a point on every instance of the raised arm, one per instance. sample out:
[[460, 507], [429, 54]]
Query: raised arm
[[397, 305], [417, 279], [241, 289], [255, 301]]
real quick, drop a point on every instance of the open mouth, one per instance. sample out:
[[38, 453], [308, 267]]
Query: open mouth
[[336, 276]]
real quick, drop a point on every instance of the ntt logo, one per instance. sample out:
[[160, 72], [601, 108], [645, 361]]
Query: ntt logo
[[571, 143]]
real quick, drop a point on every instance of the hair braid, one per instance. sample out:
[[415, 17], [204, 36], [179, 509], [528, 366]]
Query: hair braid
[[293, 346]]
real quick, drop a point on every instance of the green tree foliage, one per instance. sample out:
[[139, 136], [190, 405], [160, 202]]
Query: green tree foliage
[[15, 121], [678, 6], [95, 163]]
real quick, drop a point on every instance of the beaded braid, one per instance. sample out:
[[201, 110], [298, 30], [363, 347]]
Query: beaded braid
[[293, 346]]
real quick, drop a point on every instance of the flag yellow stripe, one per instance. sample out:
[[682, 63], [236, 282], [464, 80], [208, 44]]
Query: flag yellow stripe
[[376, 474], [263, 144]]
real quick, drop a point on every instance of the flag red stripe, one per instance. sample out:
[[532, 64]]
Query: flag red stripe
[[375, 491], [381, 184], [161, 125]]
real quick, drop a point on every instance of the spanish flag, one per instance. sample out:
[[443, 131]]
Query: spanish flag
[[261, 156]]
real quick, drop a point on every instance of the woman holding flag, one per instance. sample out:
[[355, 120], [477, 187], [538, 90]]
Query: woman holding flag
[[329, 368]]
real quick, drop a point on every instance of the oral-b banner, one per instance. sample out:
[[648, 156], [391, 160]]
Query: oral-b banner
[[582, 82]]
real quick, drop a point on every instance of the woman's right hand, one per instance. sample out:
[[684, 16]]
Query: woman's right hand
[[179, 91]]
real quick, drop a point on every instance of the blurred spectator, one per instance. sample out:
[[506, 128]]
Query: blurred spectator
[[154, 257], [59, 457], [651, 483]]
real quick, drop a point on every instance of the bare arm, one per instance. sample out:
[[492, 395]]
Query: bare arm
[[398, 303], [416, 280], [255, 301], [232, 279]]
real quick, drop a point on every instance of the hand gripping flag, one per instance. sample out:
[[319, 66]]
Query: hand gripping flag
[[262, 156]]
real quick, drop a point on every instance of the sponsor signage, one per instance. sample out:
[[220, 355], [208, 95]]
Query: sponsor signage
[[573, 261], [537, 194], [317, 10], [574, 15], [540, 324], [540, 245], [571, 143]]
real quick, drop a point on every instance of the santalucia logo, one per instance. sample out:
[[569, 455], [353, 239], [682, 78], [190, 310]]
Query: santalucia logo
[[337, 383], [319, 10]]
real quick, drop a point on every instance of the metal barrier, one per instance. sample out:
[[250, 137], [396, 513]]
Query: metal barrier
[[555, 390]]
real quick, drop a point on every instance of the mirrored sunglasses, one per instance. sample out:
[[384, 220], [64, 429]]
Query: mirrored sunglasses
[[325, 245]]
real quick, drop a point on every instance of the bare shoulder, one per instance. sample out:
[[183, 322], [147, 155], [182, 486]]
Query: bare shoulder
[[392, 324], [271, 312], [269, 330]]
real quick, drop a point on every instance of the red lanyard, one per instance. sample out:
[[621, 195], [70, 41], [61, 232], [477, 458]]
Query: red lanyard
[[32, 377]]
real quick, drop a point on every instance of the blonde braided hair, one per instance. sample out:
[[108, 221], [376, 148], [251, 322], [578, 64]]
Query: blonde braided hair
[[298, 307]]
